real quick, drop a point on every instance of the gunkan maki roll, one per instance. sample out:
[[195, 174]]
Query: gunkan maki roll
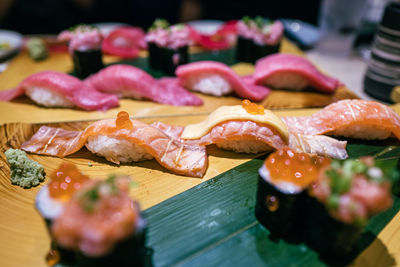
[[257, 38], [51, 200], [343, 198], [84, 45], [282, 186], [98, 224], [167, 45]]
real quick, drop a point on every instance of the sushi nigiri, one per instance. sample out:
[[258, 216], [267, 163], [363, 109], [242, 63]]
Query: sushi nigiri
[[85, 43], [360, 119], [286, 71], [251, 129], [122, 140], [57, 89], [215, 78], [131, 82]]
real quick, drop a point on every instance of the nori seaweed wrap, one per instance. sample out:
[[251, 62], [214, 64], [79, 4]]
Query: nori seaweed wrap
[[257, 38], [346, 194], [85, 44], [167, 46], [87, 62], [282, 185]]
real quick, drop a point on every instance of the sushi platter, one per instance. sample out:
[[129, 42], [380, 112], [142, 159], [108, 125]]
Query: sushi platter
[[197, 162]]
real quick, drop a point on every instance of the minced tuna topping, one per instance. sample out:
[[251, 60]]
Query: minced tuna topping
[[355, 190], [164, 35], [97, 217], [24, 171], [260, 30]]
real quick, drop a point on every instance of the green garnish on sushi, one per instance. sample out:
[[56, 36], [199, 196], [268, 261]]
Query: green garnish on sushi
[[24, 171], [159, 23]]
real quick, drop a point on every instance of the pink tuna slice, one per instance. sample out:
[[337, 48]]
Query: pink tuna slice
[[271, 67], [242, 87], [173, 93], [67, 86], [131, 82]]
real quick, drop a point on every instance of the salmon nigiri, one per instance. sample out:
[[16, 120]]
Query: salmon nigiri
[[215, 78], [57, 89], [251, 129], [122, 140], [361, 119]]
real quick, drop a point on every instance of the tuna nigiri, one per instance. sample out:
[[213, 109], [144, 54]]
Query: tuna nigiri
[[360, 119], [251, 129], [215, 78], [131, 82], [122, 140], [56, 89], [286, 71]]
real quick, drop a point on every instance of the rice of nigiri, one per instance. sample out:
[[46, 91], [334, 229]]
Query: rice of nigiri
[[47, 98], [245, 146], [116, 150], [288, 80], [210, 83]]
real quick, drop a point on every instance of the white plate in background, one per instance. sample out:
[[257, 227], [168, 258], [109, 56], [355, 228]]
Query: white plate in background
[[14, 40], [206, 26]]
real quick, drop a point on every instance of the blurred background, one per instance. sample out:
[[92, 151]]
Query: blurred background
[[49, 16]]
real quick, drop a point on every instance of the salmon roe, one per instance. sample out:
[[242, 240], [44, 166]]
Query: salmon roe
[[252, 108], [65, 181], [301, 169], [123, 121]]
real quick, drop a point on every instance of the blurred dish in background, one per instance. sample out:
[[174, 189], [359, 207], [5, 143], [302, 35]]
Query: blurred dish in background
[[213, 34], [304, 34], [10, 44], [107, 27]]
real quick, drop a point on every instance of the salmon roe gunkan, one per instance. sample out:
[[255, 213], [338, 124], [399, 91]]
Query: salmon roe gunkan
[[65, 181], [252, 108], [123, 121], [301, 169]]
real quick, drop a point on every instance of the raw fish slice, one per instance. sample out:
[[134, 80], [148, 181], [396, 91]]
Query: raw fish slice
[[131, 82], [175, 156], [360, 119], [285, 71], [206, 76], [318, 144], [55, 89], [171, 92]]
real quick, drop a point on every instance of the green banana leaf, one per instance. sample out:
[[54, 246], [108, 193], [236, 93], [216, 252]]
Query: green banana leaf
[[213, 224]]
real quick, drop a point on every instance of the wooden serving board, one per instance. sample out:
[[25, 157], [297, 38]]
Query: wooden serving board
[[23, 66], [192, 221]]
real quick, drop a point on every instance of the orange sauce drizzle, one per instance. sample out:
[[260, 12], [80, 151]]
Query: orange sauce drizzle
[[252, 108], [65, 181], [123, 121], [300, 169]]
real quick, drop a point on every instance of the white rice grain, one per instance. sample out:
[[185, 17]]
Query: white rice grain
[[211, 84], [47, 98], [116, 150]]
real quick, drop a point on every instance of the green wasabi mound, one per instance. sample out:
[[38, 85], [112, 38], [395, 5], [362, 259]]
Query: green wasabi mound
[[24, 171]]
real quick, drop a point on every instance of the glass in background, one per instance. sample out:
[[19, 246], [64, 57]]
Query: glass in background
[[338, 22]]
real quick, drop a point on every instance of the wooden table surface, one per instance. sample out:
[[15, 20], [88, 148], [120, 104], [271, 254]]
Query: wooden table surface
[[23, 239]]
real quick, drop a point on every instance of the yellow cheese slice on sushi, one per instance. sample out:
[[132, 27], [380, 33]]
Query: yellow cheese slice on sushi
[[233, 113]]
